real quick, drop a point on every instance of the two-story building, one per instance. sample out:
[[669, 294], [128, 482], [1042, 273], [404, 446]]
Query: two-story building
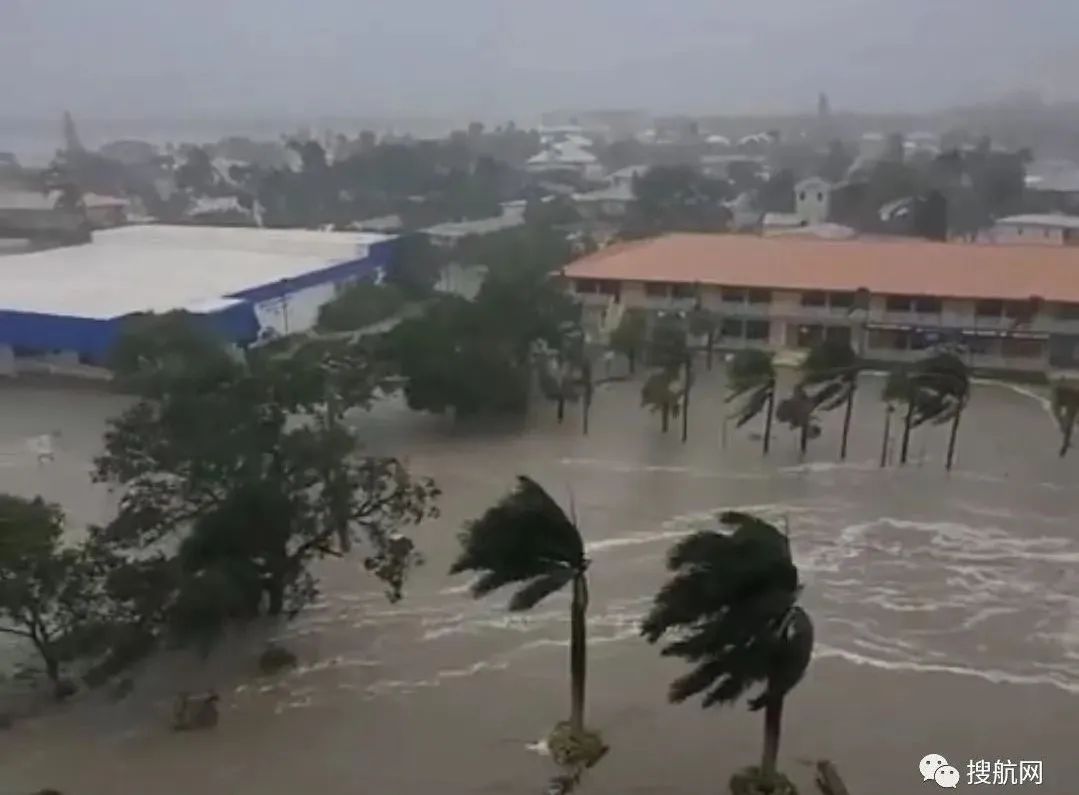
[[1036, 230], [1010, 308]]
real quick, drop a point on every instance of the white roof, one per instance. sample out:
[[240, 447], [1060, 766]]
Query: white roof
[[511, 217], [621, 192], [810, 183], [1050, 220], [159, 268]]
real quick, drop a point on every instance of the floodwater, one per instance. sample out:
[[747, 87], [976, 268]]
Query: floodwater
[[946, 606]]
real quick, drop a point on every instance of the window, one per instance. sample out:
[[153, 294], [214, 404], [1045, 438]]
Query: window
[[733, 295], [1014, 309], [841, 300], [760, 296], [820, 197], [927, 306], [683, 290], [808, 336], [611, 288], [977, 345], [1021, 348], [814, 298], [586, 286], [993, 309], [731, 328], [758, 329], [802, 196], [656, 289], [898, 303]]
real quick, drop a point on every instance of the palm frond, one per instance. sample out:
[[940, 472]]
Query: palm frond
[[523, 536], [753, 405], [540, 588]]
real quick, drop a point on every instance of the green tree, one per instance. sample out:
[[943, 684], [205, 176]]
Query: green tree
[[526, 540], [197, 172], [751, 382], [935, 390], [630, 335], [829, 378], [416, 267], [676, 199], [1064, 397], [253, 480], [362, 303], [663, 392], [732, 606], [51, 595]]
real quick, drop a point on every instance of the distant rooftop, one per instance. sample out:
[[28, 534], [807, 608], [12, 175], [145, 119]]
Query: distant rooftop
[[159, 268], [511, 217]]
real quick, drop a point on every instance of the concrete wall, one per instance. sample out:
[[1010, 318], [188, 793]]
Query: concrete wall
[[1026, 235]]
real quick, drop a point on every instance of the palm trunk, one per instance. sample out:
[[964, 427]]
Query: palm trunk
[[632, 362], [685, 404], [803, 442], [587, 399], [561, 409], [773, 715], [846, 425], [768, 418], [577, 653], [952, 437], [887, 435], [665, 417], [711, 344], [906, 431], [1066, 443]]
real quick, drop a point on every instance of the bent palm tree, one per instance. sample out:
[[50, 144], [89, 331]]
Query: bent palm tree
[[704, 323], [1064, 395], [732, 604], [664, 392], [751, 377], [936, 389], [525, 539], [830, 376]]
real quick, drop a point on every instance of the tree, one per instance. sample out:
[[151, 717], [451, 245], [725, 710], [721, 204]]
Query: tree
[[416, 266], [362, 303], [667, 344], [704, 323], [777, 194], [1064, 396], [732, 606], [751, 378], [526, 540], [663, 392], [197, 172], [676, 198], [935, 390], [50, 595], [629, 336], [836, 163], [830, 374], [254, 479]]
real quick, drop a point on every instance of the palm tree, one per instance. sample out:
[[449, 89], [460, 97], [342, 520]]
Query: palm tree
[[526, 539], [732, 604], [751, 375], [830, 376], [797, 412], [664, 392], [1064, 394], [704, 323], [629, 336], [935, 389]]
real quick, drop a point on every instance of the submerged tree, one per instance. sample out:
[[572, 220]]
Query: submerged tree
[[1064, 396], [751, 379], [935, 390], [630, 335], [663, 393], [732, 606], [829, 377], [526, 540]]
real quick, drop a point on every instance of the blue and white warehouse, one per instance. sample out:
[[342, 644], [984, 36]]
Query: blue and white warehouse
[[245, 283]]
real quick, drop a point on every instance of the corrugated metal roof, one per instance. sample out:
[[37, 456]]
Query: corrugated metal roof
[[1053, 220], [902, 267]]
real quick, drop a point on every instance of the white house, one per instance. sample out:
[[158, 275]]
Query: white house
[[812, 198], [1037, 230]]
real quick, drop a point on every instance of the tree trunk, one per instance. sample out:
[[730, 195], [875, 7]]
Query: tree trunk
[[665, 417], [577, 652], [338, 494], [803, 442], [1066, 443], [773, 714], [846, 425], [906, 431], [768, 418], [685, 403], [952, 437], [561, 408], [711, 344], [887, 433], [632, 362]]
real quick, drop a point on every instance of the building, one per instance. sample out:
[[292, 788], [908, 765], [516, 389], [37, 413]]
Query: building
[[781, 293], [35, 215], [104, 212], [811, 200], [449, 233], [1036, 230], [69, 303], [610, 203]]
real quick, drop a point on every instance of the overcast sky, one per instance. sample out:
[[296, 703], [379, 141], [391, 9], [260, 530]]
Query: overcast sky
[[496, 58]]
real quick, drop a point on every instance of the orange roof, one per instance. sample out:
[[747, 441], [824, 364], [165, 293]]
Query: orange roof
[[900, 267]]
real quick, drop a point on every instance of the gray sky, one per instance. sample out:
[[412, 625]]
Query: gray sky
[[496, 58]]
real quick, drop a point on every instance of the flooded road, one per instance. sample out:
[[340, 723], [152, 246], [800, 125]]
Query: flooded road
[[946, 607]]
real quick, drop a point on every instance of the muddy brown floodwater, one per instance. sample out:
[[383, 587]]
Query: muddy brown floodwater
[[947, 613]]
